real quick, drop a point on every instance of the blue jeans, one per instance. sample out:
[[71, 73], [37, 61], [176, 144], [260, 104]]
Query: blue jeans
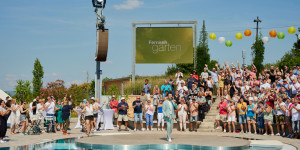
[[149, 119], [52, 122], [194, 118], [242, 119], [260, 122], [138, 115]]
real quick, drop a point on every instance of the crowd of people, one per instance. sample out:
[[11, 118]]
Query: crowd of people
[[255, 100], [258, 100]]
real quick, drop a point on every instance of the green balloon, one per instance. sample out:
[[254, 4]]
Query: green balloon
[[280, 35], [228, 43]]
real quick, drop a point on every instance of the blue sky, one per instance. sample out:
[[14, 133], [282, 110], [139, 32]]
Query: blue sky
[[62, 34]]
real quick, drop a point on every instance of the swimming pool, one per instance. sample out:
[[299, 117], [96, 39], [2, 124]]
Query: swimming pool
[[70, 144]]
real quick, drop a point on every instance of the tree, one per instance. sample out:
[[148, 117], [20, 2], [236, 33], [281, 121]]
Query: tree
[[291, 58], [56, 89], [203, 56], [38, 75], [258, 51], [22, 90]]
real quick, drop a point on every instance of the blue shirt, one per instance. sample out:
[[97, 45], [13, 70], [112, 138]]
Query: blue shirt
[[165, 88], [138, 108], [66, 111], [146, 86], [122, 111], [190, 82], [250, 112]]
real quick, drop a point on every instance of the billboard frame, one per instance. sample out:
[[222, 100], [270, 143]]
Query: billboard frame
[[158, 22]]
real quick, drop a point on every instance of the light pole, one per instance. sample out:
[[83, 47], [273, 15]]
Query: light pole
[[244, 56]]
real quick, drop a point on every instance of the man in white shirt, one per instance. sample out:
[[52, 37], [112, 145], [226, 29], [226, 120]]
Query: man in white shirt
[[100, 113], [49, 107], [265, 84], [182, 88], [295, 87], [178, 74], [179, 82], [296, 117]]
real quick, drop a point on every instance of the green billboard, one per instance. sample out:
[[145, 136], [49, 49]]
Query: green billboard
[[164, 45]]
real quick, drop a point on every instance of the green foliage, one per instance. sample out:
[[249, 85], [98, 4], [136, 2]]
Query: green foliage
[[258, 51], [291, 58], [106, 79], [113, 90], [22, 90], [171, 70], [92, 88], [185, 68], [137, 87], [56, 89], [203, 57], [212, 64], [38, 75]]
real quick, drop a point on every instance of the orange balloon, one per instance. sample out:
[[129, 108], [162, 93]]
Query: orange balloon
[[247, 32], [273, 33]]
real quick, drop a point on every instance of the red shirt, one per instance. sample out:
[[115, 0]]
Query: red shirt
[[272, 99], [222, 110], [114, 105], [195, 77]]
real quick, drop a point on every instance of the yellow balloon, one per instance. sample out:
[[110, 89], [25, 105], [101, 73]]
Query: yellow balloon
[[239, 36], [212, 36], [292, 30]]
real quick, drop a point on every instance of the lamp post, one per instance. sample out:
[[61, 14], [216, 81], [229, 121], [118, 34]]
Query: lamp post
[[244, 56]]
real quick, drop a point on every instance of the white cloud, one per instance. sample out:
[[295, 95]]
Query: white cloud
[[53, 74], [129, 4], [78, 82]]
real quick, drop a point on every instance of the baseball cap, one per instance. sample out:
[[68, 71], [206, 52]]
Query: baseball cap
[[93, 98], [113, 96], [122, 98], [84, 101], [34, 100]]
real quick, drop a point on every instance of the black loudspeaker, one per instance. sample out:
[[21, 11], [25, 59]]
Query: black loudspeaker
[[101, 52]]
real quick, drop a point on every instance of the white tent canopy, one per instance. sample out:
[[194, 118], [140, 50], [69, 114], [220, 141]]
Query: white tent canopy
[[3, 95]]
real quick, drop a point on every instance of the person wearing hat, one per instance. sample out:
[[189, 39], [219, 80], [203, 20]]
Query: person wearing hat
[[89, 118], [122, 107], [114, 105], [95, 113], [138, 112], [169, 108], [178, 74], [268, 118]]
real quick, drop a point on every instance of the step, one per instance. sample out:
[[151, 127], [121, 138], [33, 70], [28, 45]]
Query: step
[[210, 117], [206, 130], [208, 120], [206, 127], [175, 125], [212, 114], [208, 123]]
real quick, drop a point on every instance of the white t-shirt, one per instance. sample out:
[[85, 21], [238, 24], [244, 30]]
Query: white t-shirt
[[50, 109], [150, 112], [295, 113], [178, 75], [179, 83], [182, 112], [204, 75], [42, 111], [279, 111], [295, 88], [265, 86], [30, 107], [182, 90]]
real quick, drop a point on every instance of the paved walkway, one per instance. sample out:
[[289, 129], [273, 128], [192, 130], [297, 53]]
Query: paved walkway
[[209, 138]]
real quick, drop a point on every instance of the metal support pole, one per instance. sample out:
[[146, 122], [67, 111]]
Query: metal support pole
[[133, 52], [257, 21], [244, 56], [195, 45], [98, 81]]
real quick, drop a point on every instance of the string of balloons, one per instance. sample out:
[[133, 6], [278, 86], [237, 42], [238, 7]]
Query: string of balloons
[[265, 39]]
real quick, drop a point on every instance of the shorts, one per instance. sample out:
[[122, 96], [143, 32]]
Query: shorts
[[193, 118], [116, 115], [23, 117], [242, 119], [269, 122], [209, 102], [216, 84], [122, 117], [221, 117], [231, 119], [91, 118], [296, 126], [280, 119], [251, 118], [34, 117], [138, 115], [95, 115]]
